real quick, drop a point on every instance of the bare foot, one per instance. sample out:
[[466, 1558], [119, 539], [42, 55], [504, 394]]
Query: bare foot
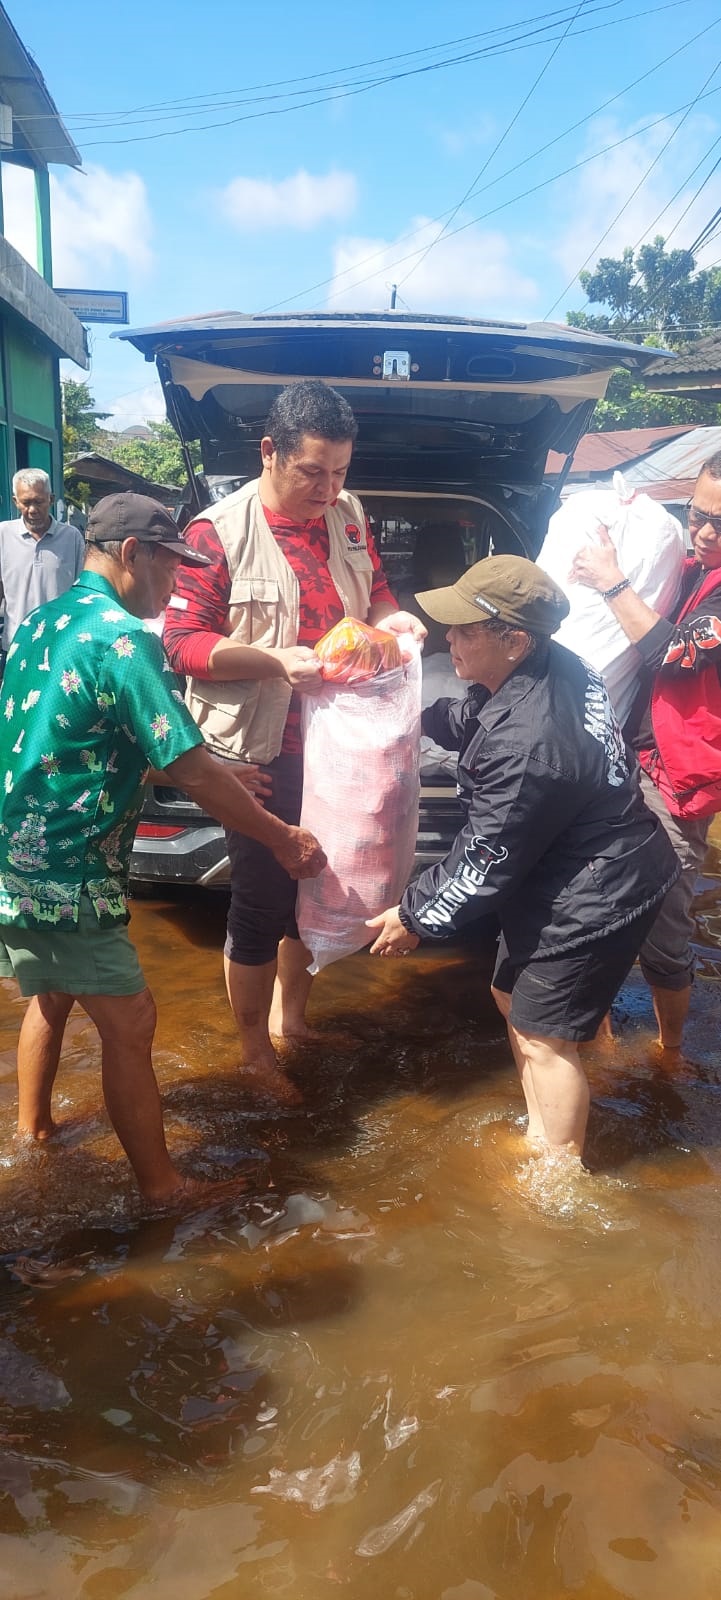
[[38, 1135], [197, 1191], [338, 1038], [671, 1059], [270, 1082], [292, 1028]]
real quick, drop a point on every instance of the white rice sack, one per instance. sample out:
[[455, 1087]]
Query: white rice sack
[[650, 548]]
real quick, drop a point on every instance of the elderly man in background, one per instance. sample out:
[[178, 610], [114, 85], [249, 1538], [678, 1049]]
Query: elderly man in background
[[675, 729], [289, 555], [105, 709], [39, 557]]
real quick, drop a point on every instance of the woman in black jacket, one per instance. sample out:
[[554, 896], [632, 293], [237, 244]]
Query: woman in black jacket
[[557, 841]]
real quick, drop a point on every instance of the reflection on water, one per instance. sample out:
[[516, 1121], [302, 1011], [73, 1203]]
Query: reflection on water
[[409, 1362]]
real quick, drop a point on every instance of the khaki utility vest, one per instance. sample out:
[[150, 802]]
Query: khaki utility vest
[[245, 718]]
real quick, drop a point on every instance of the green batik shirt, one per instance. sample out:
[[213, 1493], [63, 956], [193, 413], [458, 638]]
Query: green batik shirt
[[89, 702]]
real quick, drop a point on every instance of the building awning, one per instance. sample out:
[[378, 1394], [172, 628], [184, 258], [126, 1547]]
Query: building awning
[[25, 293], [38, 128], [104, 476], [694, 372]]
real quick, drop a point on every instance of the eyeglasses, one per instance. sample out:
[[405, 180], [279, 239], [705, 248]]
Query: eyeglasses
[[699, 519]]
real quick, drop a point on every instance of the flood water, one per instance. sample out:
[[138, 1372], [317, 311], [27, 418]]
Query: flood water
[[404, 1364]]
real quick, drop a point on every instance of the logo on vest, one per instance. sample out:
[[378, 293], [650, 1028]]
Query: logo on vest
[[354, 535]]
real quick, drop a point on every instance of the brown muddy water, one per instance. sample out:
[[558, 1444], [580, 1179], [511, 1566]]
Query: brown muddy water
[[405, 1364]]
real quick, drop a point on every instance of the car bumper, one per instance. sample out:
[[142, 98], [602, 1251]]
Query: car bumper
[[196, 853]]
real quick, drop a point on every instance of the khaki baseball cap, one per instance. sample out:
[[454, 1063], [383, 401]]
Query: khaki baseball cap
[[508, 588], [120, 516]]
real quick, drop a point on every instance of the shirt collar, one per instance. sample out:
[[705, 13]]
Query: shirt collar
[[520, 681], [93, 580], [48, 534]]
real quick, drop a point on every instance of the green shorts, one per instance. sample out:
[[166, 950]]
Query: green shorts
[[84, 959]]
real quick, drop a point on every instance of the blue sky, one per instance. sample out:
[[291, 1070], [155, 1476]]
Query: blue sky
[[326, 205]]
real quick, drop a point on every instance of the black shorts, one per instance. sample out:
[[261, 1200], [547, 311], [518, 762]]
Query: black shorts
[[262, 895], [567, 996]]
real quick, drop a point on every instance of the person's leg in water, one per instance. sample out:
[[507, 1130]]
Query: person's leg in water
[[39, 1047], [258, 950], [560, 1089], [535, 1131], [666, 956], [291, 991], [552, 1005], [126, 1024], [250, 992]]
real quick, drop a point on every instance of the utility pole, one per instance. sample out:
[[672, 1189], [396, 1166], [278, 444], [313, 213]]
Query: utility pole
[[394, 291]]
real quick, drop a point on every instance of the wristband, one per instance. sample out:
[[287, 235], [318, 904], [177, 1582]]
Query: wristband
[[618, 588]]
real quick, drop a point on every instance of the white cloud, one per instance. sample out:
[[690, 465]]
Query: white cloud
[[19, 208], [301, 201], [467, 273], [139, 405], [102, 226], [604, 189]]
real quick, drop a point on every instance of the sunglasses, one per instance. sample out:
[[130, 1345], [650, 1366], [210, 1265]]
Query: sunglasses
[[700, 519]]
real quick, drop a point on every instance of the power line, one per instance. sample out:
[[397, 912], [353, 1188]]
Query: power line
[[592, 253], [358, 85], [528, 96], [524, 162], [504, 204], [221, 100], [186, 102], [331, 93]]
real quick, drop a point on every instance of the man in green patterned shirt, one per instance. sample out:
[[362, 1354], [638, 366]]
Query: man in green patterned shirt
[[89, 704]]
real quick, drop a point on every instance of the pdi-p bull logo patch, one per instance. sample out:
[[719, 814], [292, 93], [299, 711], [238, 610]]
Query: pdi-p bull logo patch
[[353, 535]]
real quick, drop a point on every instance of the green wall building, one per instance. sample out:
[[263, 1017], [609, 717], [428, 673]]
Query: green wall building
[[36, 327]]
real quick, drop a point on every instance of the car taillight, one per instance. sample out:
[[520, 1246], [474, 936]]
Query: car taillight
[[157, 830]]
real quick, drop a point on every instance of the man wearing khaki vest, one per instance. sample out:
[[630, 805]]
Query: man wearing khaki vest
[[289, 555]]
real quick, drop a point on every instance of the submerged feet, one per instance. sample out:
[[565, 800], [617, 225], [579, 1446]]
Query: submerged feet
[[38, 1133]]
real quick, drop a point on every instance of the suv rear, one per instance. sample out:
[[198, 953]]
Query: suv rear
[[456, 418]]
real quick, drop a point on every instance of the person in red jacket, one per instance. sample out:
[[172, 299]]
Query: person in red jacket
[[675, 728]]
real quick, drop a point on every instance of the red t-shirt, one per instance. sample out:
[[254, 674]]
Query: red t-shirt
[[192, 629]]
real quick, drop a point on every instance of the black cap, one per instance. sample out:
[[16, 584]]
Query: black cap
[[125, 516]]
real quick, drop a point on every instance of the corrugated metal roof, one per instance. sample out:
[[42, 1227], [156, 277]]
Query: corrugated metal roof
[[606, 452], [667, 473], [681, 459]]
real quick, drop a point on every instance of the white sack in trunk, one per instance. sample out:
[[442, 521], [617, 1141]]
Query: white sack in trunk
[[360, 799], [650, 547]]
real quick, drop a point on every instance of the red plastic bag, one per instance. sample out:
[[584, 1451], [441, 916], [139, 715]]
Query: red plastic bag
[[353, 652]]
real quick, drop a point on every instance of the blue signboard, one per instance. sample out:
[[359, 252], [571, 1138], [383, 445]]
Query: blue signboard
[[96, 305]]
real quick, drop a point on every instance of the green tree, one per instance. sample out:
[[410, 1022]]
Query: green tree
[[158, 458], [651, 296], [80, 418]]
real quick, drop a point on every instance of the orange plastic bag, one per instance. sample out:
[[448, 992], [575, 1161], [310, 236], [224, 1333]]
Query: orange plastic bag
[[353, 652]]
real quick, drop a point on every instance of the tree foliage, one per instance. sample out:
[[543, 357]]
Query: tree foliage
[[651, 296], [80, 418], [158, 458]]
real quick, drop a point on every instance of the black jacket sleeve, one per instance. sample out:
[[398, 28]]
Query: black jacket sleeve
[[518, 806], [674, 650], [445, 723]]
